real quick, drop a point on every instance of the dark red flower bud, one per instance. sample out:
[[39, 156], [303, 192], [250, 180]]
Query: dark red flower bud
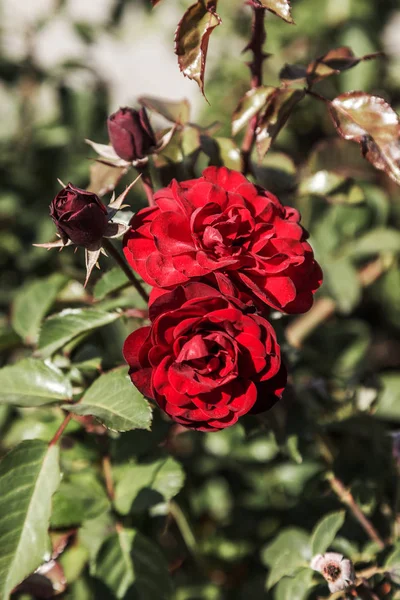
[[131, 134], [79, 216]]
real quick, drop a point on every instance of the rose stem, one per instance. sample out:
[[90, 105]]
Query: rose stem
[[324, 308], [347, 498], [122, 264], [256, 43], [147, 184], [60, 430]]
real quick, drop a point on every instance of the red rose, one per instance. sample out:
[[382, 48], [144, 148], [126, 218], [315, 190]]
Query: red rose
[[204, 360], [130, 133], [222, 223], [79, 216]]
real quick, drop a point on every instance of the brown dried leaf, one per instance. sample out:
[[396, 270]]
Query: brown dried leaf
[[104, 177], [192, 37], [372, 122], [334, 62], [174, 111], [277, 111], [281, 8]]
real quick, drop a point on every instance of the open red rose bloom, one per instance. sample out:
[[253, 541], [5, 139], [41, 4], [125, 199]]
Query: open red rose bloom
[[222, 224], [204, 360]]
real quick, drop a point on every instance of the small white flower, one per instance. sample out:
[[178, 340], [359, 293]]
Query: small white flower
[[337, 570]]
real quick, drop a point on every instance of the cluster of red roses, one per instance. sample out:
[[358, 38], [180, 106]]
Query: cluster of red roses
[[219, 252]]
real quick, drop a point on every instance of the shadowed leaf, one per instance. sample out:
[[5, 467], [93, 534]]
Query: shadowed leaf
[[277, 111], [192, 37], [372, 122], [104, 177]]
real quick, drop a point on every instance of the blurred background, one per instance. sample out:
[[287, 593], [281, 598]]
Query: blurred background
[[64, 66]]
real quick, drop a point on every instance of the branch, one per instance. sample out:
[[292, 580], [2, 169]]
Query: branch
[[60, 430], [126, 269], [256, 44]]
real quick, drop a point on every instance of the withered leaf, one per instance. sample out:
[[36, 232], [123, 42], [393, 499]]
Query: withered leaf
[[332, 63], [281, 8], [372, 122], [278, 108], [192, 37]]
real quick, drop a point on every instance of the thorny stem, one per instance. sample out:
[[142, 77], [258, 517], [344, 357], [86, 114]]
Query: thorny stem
[[60, 430], [122, 264], [147, 184], [347, 498], [258, 38], [324, 308]]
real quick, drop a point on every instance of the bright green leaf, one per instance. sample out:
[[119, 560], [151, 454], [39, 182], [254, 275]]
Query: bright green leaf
[[63, 327], [295, 588], [31, 304], [388, 406], [289, 551], [33, 382], [29, 476], [115, 402], [325, 531]]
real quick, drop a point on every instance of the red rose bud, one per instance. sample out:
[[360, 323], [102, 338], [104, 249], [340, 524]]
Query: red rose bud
[[222, 225], [131, 134], [79, 216], [204, 360]]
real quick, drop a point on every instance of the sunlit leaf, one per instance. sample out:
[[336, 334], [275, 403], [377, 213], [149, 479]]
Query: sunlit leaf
[[372, 122], [388, 406], [297, 586], [286, 553], [63, 327], [111, 281], [192, 37], [281, 8], [129, 561], [274, 116], [325, 531], [116, 402], [32, 382], [29, 476], [104, 177], [31, 304], [250, 105], [176, 112]]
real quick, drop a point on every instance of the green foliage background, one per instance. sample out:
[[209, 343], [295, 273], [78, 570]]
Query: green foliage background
[[198, 516]]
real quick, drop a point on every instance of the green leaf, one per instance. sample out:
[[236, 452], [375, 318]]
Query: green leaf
[[93, 533], [343, 283], [31, 304], [29, 476], [146, 484], [63, 327], [115, 402], [250, 105], [295, 588], [80, 496], [372, 122], [104, 177], [377, 240], [111, 281], [192, 37], [176, 112], [129, 561], [393, 560], [388, 406], [289, 551], [32, 382], [325, 531], [281, 8]]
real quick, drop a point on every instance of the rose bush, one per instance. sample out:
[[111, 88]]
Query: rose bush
[[222, 223], [79, 216], [204, 360]]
